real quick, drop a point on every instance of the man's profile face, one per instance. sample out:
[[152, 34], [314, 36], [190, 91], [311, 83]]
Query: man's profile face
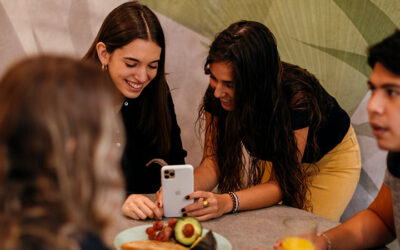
[[384, 107]]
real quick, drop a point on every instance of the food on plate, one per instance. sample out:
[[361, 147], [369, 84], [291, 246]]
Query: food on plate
[[172, 222], [206, 242], [158, 225], [160, 232], [151, 245], [187, 230]]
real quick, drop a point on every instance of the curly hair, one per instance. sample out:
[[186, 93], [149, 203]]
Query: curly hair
[[59, 167], [267, 92]]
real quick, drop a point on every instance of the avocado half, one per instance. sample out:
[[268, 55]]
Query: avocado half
[[178, 230], [206, 242]]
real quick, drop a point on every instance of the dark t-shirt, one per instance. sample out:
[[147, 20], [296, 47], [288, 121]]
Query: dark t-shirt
[[139, 151], [392, 181], [334, 126], [332, 130], [393, 163]]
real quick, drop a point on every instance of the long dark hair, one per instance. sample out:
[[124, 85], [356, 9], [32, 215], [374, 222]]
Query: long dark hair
[[266, 93], [128, 22]]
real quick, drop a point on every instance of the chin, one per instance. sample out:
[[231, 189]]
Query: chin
[[389, 146], [133, 95]]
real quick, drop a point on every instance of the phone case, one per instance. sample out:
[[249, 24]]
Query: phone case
[[177, 182]]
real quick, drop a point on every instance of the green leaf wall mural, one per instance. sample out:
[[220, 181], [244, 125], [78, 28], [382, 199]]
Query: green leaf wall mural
[[314, 23]]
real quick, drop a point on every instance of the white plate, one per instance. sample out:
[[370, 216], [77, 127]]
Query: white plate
[[139, 233]]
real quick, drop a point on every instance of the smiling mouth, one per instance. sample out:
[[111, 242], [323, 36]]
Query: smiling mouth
[[228, 106], [134, 85], [225, 102]]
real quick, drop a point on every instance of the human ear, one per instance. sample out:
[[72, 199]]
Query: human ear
[[102, 53]]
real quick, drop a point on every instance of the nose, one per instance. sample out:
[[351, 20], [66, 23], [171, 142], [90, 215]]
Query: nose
[[141, 74], [376, 103], [219, 91]]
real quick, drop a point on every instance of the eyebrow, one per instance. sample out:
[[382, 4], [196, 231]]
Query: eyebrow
[[385, 85], [211, 74], [136, 60]]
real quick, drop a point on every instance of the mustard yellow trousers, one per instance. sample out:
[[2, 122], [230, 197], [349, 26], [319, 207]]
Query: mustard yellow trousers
[[336, 178]]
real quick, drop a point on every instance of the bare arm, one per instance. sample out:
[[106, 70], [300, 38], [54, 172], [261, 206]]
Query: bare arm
[[269, 193], [258, 196], [369, 228], [301, 140], [206, 175]]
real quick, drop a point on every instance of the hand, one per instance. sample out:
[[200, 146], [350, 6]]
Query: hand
[[218, 204], [321, 243], [139, 207], [159, 200], [278, 245]]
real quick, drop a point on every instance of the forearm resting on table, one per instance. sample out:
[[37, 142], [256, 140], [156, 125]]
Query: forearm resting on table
[[364, 230], [258, 196]]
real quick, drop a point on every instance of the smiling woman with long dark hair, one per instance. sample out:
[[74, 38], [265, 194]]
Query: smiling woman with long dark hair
[[130, 46], [273, 134]]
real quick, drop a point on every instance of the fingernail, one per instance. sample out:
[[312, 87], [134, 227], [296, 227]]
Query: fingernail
[[184, 214], [183, 210], [187, 197]]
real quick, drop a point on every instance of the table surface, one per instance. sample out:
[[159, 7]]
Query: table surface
[[250, 229]]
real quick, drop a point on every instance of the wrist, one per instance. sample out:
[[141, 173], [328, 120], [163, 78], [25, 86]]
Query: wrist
[[235, 201], [324, 241], [228, 203]]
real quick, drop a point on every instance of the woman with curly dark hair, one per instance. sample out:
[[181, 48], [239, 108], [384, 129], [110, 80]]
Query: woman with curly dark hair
[[273, 134]]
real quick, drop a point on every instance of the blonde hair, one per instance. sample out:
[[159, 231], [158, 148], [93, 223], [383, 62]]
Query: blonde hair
[[59, 165]]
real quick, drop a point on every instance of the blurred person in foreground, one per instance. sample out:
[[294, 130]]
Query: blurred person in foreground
[[60, 180], [380, 222]]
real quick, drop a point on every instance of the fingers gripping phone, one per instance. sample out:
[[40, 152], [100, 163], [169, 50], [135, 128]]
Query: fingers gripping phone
[[177, 182]]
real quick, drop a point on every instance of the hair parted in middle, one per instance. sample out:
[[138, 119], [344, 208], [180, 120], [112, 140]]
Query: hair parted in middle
[[266, 91], [127, 22]]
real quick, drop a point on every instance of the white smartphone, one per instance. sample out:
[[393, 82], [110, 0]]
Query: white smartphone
[[177, 182]]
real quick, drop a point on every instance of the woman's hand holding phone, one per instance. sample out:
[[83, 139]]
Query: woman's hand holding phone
[[139, 207], [208, 205]]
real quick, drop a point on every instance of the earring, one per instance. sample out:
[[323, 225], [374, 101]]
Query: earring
[[104, 67]]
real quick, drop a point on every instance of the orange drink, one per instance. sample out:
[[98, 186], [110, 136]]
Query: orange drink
[[299, 234], [296, 243]]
